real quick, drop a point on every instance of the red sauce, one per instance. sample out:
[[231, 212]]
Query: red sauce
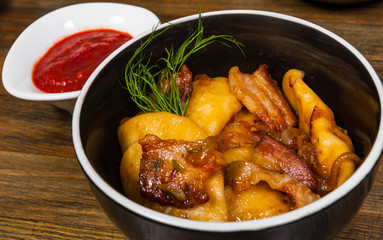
[[68, 64]]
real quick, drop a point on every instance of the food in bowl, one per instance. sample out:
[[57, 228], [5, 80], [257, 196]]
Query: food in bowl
[[67, 65], [334, 69], [230, 148]]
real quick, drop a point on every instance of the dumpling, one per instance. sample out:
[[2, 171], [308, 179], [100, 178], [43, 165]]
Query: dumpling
[[256, 202], [336, 160], [162, 124], [168, 126], [212, 104]]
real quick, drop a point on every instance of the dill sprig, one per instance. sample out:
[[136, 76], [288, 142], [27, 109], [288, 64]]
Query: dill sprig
[[141, 72]]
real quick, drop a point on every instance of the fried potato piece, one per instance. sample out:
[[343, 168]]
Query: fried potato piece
[[260, 94], [162, 124], [256, 202], [212, 104], [336, 160]]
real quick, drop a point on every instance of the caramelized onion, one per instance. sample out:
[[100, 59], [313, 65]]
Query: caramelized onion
[[239, 134], [301, 143], [330, 183], [174, 190], [289, 137]]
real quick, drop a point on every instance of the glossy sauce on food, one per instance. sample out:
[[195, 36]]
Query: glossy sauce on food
[[67, 64]]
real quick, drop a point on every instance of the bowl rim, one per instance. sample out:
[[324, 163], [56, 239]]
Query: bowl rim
[[66, 10], [260, 224]]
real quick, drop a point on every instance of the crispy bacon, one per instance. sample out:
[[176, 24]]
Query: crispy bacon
[[241, 175], [183, 82], [174, 172], [260, 94], [273, 153], [287, 160]]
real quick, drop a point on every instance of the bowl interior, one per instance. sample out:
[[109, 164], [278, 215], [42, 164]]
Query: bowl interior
[[37, 38], [331, 69]]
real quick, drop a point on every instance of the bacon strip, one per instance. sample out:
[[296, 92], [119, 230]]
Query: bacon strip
[[174, 172], [272, 152], [287, 160], [183, 81], [260, 94], [241, 175]]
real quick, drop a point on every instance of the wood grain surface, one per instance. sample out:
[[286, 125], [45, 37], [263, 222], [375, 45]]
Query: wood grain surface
[[43, 191]]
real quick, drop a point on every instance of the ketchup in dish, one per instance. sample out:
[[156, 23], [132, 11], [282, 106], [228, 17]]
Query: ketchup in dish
[[68, 64]]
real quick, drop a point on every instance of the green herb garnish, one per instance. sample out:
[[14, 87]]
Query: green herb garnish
[[194, 149], [141, 74], [158, 165], [175, 165]]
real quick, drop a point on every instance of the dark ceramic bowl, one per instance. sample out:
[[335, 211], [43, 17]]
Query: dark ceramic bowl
[[337, 72]]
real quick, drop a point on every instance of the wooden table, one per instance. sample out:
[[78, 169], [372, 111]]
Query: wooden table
[[43, 191]]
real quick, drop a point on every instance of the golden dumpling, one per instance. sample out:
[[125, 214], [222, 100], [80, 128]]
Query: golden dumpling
[[302, 98], [336, 160], [256, 202], [162, 124], [245, 115], [212, 104], [129, 172], [168, 126]]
